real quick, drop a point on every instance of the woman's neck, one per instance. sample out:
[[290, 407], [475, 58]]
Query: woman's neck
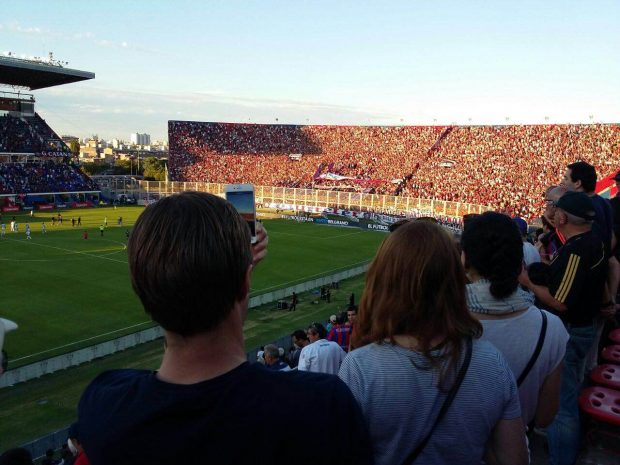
[[413, 343]]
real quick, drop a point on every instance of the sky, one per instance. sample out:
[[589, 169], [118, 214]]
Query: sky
[[413, 62]]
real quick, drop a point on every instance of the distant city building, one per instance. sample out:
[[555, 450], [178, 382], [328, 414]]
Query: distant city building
[[140, 139]]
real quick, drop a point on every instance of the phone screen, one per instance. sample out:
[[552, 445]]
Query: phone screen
[[243, 201]]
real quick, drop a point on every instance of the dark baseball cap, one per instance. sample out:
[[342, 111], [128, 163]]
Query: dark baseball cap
[[578, 204]]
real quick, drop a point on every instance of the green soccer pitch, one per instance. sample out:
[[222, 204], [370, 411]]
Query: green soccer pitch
[[67, 292]]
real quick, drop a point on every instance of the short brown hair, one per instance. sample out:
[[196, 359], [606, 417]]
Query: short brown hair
[[188, 256], [416, 286]]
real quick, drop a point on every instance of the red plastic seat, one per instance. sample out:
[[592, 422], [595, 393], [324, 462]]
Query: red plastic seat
[[606, 375], [614, 336], [601, 403], [611, 353]]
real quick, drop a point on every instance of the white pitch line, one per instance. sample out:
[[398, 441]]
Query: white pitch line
[[79, 342], [72, 251]]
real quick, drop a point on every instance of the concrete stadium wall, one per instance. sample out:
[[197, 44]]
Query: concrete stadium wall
[[77, 357]]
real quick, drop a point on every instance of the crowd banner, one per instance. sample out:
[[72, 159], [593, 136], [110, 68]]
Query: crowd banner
[[61, 362]]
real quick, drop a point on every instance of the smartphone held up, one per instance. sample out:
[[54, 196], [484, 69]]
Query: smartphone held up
[[241, 196]]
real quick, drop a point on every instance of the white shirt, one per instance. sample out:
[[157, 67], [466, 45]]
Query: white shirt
[[321, 356], [530, 254], [516, 339]]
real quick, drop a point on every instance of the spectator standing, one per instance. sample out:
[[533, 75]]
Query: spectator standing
[[331, 323], [493, 259], [206, 400], [615, 207], [530, 253], [552, 240], [415, 343], [575, 293], [299, 340], [581, 177], [341, 332], [272, 359], [321, 355], [76, 446]]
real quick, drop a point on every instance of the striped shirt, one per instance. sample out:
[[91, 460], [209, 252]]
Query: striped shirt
[[397, 391]]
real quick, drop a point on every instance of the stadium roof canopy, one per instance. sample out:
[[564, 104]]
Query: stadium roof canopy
[[38, 75]]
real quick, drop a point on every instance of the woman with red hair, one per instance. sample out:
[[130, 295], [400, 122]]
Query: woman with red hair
[[429, 389]]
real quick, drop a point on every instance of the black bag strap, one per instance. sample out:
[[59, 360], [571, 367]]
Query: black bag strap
[[539, 344], [446, 405]]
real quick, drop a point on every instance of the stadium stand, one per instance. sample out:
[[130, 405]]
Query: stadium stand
[[42, 166], [30, 134], [46, 176], [505, 167]]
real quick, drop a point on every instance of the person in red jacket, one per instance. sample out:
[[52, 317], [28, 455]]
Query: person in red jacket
[[76, 446]]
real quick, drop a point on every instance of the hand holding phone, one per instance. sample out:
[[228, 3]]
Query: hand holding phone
[[241, 196]]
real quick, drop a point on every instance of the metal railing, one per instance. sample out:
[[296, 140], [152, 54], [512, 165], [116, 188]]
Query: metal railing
[[152, 190]]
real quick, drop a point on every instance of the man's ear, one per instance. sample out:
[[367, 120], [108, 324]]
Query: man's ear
[[245, 285]]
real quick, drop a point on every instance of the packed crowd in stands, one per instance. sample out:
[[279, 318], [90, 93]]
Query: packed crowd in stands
[[508, 167], [505, 167], [29, 134], [47, 176], [363, 156]]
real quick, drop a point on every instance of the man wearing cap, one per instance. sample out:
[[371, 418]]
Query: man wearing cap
[[581, 177], [575, 293], [5, 327]]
